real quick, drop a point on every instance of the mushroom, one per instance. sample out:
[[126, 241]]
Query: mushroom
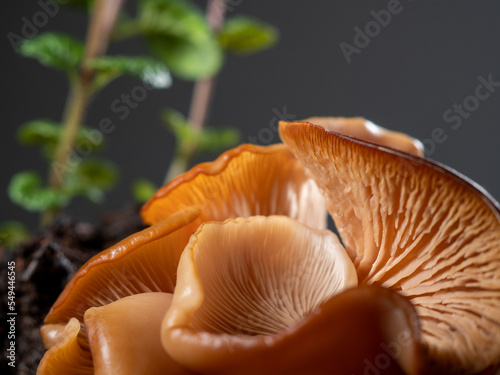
[[414, 226], [262, 287], [261, 296]]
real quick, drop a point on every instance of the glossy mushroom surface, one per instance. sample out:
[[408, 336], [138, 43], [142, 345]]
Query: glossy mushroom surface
[[124, 336], [68, 350]]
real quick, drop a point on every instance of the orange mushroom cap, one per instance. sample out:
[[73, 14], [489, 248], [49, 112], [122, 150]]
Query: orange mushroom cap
[[245, 181]]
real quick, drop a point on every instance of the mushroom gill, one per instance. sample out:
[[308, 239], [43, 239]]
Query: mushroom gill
[[250, 270], [261, 295], [245, 181], [416, 227]]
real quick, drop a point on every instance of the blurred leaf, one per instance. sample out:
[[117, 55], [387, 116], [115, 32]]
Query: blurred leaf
[[151, 71], [218, 139], [12, 234], [99, 173], [46, 133], [143, 190], [92, 178], [26, 190], [39, 132], [206, 139], [54, 50], [244, 35], [178, 33], [179, 125]]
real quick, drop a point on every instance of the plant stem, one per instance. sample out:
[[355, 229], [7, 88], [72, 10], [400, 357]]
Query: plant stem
[[178, 165], [103, 18], [203, 88], [200, 102], [73, 113]]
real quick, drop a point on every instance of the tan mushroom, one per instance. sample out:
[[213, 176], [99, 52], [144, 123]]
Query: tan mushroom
[[414, 226], [261, 296]]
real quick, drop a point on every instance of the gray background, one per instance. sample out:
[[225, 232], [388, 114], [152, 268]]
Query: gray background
[[426, 59]]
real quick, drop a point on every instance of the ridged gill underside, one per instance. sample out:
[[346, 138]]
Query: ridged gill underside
[[416, 227], [263, 275], [245, 181]]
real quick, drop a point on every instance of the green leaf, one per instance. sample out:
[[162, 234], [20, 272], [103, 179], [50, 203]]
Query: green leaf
[[54, 50], [217, 139], [244, 35], [206, 139], [151, 71], [12, 234], [92, 178], [179, 125], [39, 132], [46, 133], [178, 33], [143, 190], [99, 173], [26, 190]]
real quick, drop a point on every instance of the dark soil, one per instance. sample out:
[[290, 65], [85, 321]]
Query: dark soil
[[43, 267]]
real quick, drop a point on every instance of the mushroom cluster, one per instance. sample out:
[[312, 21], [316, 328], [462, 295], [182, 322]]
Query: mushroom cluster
[[237, 273]]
